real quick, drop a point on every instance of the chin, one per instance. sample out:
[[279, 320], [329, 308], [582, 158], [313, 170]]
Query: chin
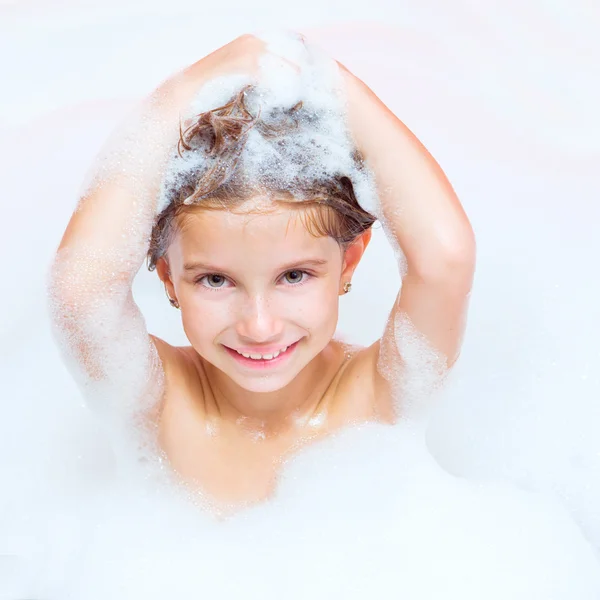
[[264, 384]]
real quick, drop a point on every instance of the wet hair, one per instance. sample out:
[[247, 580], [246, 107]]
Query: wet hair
[[329, 203]]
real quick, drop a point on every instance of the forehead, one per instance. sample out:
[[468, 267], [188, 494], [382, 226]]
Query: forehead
[[257, 226]]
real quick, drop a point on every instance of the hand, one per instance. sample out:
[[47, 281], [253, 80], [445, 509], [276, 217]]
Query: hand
[[241, 56]]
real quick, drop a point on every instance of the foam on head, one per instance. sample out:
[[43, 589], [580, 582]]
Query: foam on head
[[315, 143]]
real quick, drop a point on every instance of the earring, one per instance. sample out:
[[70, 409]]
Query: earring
[[173, 303], [347, 287]]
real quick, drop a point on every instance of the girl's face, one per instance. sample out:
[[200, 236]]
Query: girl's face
[[258, 285]]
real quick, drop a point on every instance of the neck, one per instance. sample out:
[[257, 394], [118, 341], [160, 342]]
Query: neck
[[299, 405]]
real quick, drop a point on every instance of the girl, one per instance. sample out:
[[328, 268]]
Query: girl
[[256, 267]]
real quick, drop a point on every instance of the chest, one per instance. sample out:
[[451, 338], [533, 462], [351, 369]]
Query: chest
[[232, 465], [229, 468]]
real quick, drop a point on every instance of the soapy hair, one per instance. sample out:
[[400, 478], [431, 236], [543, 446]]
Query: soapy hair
[[216, 140]]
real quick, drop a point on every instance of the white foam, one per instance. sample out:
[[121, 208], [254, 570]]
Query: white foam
[[319, 148], [336, 526], [368, 513]]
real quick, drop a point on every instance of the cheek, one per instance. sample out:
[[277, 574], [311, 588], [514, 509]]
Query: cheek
[[203, 317], [330, 314], [318, 310]]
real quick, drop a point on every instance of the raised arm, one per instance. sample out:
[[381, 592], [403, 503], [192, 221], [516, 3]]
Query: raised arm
[[424, 216], [100, 328]]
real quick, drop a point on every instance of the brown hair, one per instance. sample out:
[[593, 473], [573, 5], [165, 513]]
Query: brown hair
[[333, 209]]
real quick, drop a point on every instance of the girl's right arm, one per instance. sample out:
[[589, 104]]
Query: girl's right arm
[[101, 330]]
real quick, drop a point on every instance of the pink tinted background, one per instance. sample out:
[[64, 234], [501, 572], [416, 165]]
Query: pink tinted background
[[505, 96]]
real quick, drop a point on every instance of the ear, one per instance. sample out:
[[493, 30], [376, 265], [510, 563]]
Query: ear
[[352, 256], [164, 274]]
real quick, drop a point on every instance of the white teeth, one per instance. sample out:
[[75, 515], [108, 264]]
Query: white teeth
[[263, 356]]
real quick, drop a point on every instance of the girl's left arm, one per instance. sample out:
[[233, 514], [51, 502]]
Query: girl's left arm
[[424, 215]]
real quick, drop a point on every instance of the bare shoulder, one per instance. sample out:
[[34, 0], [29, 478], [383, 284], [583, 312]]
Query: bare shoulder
[[180, 365], [172, 357], [362, 384]]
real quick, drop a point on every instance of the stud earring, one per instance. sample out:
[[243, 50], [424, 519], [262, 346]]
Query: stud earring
[[347, 287], [172, 302]]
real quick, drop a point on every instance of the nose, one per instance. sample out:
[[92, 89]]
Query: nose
[[259, 321]]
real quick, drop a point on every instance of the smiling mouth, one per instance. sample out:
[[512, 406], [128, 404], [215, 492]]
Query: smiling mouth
[[265, 358]]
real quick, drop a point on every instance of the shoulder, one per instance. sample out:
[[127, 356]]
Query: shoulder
[[181, 364], [172, 357], [362, 385]]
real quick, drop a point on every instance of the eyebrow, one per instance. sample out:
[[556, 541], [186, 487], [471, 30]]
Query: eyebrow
[[199, 266]]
